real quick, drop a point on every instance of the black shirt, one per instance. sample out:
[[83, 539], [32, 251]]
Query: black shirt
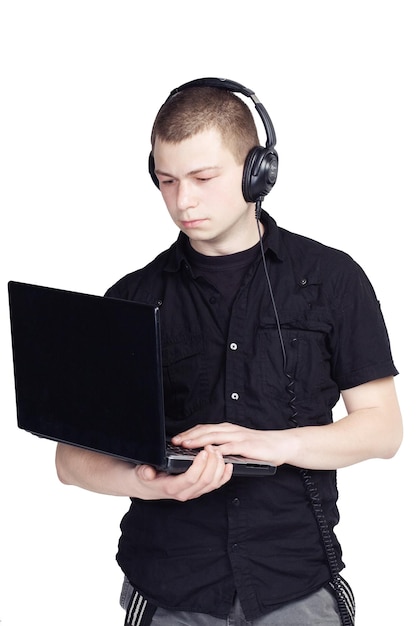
[[223, 361]]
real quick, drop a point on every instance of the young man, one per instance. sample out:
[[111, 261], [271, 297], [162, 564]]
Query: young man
[[260, 338]]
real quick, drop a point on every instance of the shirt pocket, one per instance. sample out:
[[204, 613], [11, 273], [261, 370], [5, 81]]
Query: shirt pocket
[[185, 376], [304, 373]]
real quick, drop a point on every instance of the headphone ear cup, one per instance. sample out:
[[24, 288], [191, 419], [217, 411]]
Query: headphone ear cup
[[151, 168], [259, 173]]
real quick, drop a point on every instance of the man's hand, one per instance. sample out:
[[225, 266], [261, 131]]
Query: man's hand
[[236, 440], [207, 473]]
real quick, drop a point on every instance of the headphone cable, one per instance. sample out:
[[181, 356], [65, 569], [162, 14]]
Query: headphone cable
[[343, 593]]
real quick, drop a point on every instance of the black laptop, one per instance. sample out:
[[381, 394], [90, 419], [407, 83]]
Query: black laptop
[[88, 372]]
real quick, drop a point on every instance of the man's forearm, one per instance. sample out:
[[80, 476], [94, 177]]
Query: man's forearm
[[93, 471]]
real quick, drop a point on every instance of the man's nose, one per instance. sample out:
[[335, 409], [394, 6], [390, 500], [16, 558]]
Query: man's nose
[[185, 196]]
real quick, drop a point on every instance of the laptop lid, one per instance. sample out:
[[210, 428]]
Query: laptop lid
[[88, 371]]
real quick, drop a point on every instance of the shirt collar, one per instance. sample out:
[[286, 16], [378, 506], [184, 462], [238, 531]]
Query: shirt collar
[[272, 239]]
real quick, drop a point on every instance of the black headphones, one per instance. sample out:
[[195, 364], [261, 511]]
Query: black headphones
[[261, 165]]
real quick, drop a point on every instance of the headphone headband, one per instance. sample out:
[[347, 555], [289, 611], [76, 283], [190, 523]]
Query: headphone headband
[[220, 83]]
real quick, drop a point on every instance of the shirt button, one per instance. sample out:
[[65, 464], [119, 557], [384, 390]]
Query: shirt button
[[233, 346], [235, 547], [213, 300], [234, 396], [236, 502]]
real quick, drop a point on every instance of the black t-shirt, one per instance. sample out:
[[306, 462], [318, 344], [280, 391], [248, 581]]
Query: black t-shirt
[[223, 361], [221, 274]]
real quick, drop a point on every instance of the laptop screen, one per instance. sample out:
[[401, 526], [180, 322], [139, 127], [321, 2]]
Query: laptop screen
[[88, 371]]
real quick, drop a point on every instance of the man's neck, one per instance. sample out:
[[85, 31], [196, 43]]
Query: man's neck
[[226, 246]]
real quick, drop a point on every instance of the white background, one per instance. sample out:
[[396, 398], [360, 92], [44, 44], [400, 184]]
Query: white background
[[80, 85]]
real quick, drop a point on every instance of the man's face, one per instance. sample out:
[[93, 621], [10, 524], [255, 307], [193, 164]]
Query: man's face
[[201, 184]]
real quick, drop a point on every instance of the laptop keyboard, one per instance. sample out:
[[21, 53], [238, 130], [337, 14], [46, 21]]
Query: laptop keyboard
[[180, 450]]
